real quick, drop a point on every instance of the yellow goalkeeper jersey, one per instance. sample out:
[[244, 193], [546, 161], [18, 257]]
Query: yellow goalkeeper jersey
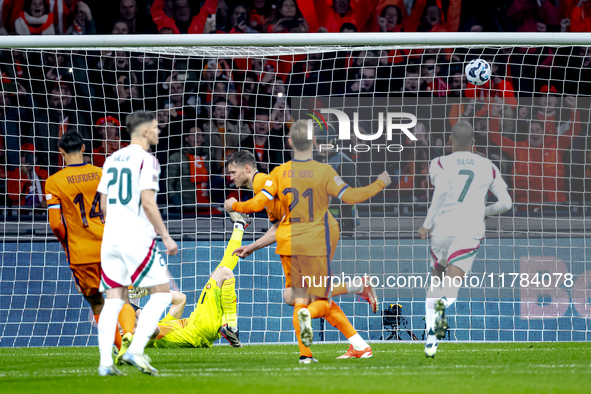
[[179, 333], [201, 329]]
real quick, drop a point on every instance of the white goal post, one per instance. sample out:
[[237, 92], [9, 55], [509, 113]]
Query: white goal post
[[295, 39], [531, 278]]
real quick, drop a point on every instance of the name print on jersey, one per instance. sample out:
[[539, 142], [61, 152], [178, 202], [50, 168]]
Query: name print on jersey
[[121, 158], [463, 162], [298, 174], [83, 178]]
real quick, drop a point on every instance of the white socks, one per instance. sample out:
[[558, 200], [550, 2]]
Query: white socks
[[107, 323], [432, 296], [357, 342], [148, 321], [429, 317], [351, 289]]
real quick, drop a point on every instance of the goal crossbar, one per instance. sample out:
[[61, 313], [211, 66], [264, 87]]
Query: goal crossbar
[[293, 39]]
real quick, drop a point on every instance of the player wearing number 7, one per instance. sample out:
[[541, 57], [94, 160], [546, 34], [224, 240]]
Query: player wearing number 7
[[77, 222], [456, 221]]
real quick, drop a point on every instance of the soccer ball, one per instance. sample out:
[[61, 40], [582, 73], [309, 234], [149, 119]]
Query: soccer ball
[[478, 72]]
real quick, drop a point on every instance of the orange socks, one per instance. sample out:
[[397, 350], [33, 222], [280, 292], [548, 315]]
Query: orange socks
[[304, 351], [336, 318], [127, 318], [318, 308]]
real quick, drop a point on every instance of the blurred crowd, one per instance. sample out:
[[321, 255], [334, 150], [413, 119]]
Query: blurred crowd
[[294, 16], [530, 119]]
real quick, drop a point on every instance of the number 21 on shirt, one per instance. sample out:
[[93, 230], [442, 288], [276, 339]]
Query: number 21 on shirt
[[308, 195]]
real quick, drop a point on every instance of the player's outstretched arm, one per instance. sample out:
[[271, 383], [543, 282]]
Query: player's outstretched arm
[[354, 195], [267, 239], [153, 214], [499, 189], [255, 204]]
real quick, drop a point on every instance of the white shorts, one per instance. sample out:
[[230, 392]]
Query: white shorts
[[459, 251], [137, 264]]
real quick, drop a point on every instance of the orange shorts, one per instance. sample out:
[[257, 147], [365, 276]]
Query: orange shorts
[[87, 277], [335, 235], [310, 276], [286, 262]]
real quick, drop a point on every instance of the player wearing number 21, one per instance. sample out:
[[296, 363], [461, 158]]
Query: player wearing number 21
[[77, 222], [456, 222], [129, 255], [304, 188]]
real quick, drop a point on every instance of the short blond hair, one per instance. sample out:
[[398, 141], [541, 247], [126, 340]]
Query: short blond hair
[[299, 136]]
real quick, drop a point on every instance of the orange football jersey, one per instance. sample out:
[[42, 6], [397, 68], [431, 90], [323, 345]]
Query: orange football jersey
[[304, 189], [260, 181], [73, 190]]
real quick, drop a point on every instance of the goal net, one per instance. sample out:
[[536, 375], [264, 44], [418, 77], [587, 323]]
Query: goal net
[[374, 108]]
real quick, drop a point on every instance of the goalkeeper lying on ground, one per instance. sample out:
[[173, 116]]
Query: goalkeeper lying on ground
[[215, 312]]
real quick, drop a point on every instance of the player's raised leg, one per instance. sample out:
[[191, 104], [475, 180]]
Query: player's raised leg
[[227, 282], [364, 289], [240, 223]]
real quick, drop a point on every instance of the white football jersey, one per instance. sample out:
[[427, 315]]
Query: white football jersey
[[125, 174], [462, 181]]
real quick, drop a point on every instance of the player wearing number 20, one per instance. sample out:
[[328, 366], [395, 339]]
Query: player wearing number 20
[[456, 221], [129, 255]]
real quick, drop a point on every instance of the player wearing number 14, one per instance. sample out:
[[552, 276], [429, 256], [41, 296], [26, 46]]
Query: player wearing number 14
[[71, 194], [77, 222]]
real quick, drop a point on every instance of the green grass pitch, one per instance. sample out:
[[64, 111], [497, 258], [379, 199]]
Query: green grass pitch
[[395, 368]]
